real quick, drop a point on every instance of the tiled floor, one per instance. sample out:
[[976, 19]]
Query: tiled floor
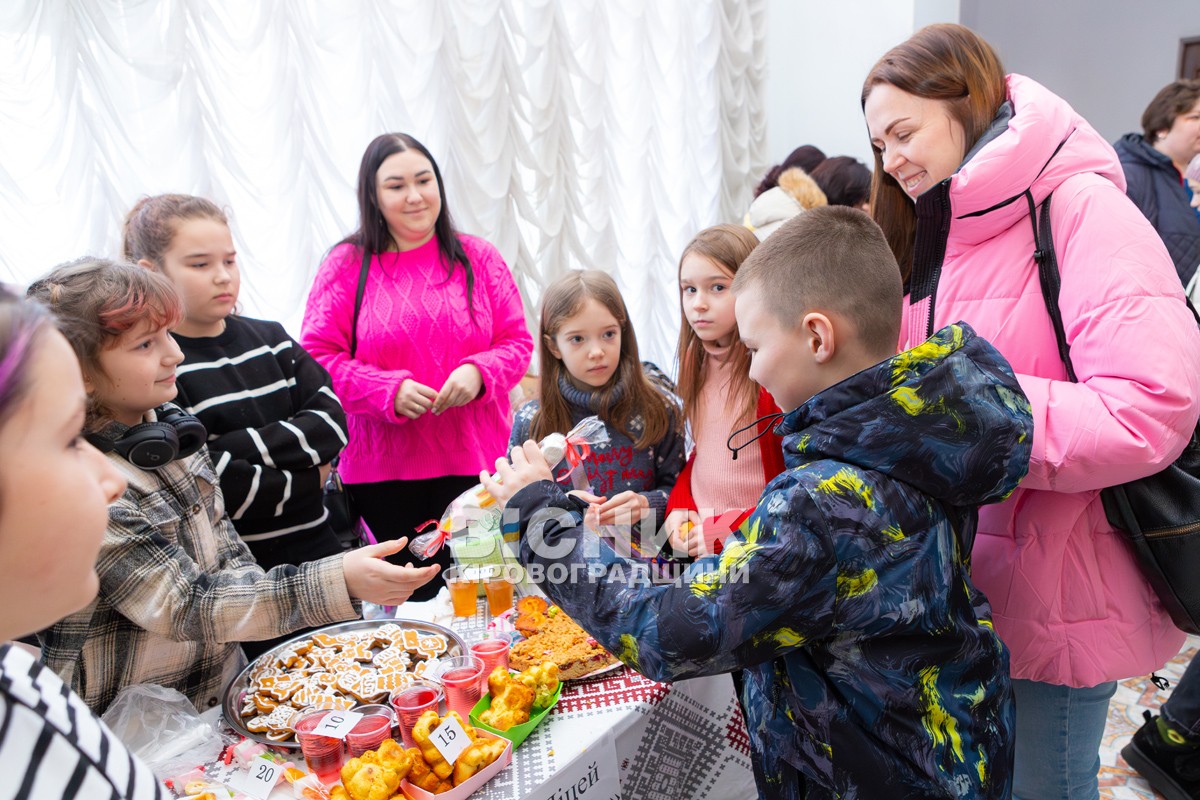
[[1117, 780]]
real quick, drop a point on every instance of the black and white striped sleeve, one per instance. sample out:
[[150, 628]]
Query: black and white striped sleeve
[[52, 745]]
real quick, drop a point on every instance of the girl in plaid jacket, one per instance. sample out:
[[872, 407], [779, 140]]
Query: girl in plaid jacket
[[178, 588]]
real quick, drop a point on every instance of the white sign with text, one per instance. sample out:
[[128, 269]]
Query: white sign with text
[[593, 775], [258, 779], [450, 739]]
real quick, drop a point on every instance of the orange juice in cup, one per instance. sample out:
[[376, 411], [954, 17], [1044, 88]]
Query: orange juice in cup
[[463, 585], [498, 583]]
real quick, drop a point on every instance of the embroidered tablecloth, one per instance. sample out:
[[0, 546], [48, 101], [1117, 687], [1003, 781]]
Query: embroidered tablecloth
[[682, 740]]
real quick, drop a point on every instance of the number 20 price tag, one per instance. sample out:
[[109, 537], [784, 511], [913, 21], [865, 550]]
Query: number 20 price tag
[[450, 739], [258, 779]]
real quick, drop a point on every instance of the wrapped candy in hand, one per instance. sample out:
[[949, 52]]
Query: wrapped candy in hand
[[574, 446]]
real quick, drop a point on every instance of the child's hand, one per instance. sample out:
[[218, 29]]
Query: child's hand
[[625, 508], [413, 399], [370, 578], [685, 532], [528, 466], [461, 387]]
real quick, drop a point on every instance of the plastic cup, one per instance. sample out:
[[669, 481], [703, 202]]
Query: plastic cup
[[460, 677], [324, 755], [371, 731], [411, 702], [463, 585], [498, 584], [493, 653]]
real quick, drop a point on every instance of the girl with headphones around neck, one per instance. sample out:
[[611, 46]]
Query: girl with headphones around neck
[[178, 588]]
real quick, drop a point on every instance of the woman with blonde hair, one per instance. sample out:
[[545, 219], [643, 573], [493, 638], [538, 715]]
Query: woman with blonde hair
[[965, 156]]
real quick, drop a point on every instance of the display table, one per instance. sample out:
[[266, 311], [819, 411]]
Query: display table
[[662, 741], [678, 740]]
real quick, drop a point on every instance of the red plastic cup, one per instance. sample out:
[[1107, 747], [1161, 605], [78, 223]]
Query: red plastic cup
[[460, 677], [411, 702], [493, 653], [371, 731], [324, 755]]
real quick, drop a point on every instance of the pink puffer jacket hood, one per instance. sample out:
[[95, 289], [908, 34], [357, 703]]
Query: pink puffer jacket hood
[[1067, 596]]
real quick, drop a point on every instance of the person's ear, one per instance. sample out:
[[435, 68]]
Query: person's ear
[[148, 264], [821, 339], [548, 342]]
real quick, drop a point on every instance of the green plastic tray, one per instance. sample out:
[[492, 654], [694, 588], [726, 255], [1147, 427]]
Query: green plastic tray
[[517, 733]]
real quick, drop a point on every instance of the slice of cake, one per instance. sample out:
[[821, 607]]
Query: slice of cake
[[562, 641]]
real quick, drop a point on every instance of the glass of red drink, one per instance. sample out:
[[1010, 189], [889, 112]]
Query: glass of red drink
[[460, 677], [324, 755], [493, 653], [371, 730], [413, 701]]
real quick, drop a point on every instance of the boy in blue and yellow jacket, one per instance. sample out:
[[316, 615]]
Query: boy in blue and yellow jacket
[[870, 665]]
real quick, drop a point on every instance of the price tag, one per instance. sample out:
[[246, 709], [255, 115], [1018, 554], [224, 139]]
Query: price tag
[[336, 724], [258, 779], [450, 739]]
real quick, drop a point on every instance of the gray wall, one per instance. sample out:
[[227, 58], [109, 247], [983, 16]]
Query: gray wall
[[1106, 57]]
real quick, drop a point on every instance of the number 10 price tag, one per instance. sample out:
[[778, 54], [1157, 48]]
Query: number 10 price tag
[[258, 779], [450, 739], [336, 724]]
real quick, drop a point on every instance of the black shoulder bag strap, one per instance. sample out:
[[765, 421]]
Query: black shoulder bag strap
[[1047, 261], [1048, 274], [358, 296]]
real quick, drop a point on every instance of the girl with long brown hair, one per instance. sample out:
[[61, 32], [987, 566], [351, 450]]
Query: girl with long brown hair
[[589, 365], [714, 492]]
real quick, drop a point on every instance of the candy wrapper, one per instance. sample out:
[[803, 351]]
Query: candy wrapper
[[474, 514]]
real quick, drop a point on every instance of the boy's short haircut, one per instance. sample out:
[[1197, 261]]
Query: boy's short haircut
[[832, 258]]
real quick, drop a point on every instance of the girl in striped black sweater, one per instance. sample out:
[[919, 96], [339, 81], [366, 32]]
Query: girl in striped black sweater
[[273, 420]]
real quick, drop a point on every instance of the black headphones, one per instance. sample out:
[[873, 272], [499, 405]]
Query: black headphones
[[152, 445]]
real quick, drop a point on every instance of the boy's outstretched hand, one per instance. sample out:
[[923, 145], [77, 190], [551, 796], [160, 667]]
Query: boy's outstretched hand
[[528, 466], [370, 578]]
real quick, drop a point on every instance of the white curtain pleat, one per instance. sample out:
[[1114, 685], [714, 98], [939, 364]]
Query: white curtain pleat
[[571, 133]]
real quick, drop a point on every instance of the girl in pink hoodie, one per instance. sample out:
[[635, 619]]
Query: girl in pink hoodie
[[424, 364], [963, 155]]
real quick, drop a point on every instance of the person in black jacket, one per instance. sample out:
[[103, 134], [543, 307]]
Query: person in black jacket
[[1154, 163]]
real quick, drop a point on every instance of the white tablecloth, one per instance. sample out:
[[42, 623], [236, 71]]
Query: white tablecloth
[[672, 741]]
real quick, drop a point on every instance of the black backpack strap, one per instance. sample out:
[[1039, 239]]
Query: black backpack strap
[[358, 296], [1048, 274]]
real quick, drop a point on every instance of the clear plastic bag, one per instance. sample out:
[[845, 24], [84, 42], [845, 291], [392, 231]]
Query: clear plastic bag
[[473, 505], [163, 728]]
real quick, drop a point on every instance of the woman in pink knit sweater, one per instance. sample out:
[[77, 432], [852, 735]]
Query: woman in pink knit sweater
[[425, 362]]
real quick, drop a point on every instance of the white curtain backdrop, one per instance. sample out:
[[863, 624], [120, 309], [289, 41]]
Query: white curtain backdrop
[[571, 133]]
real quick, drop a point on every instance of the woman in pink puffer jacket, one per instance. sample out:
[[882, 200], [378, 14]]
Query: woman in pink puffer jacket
[[958, 145]]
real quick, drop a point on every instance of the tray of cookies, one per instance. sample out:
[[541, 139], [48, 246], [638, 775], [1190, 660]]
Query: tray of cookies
[[339, 666]]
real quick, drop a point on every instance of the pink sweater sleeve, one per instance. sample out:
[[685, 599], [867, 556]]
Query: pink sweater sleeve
[[363, 388], [503, 364], [1134, 344]]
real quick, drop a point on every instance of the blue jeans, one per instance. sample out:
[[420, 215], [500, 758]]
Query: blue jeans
[[1059, 730], [1182, 708]]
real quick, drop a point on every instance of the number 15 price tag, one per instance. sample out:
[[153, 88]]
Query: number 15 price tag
[[450, 739], [258, 779]]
